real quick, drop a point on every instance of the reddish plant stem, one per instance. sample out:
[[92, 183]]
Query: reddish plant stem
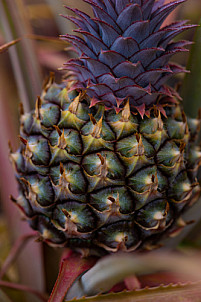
[[71, 267], [41, 296], [15, 251]]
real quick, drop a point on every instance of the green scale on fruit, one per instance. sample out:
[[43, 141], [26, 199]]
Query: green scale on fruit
[[108, 160]]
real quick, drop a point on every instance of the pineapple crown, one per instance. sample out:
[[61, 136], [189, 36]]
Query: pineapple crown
[[124, 53]]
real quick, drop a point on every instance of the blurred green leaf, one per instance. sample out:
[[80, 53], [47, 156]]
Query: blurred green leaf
[[15, 23], [171, 293], [112, 269], [191, 88], [3, 297]]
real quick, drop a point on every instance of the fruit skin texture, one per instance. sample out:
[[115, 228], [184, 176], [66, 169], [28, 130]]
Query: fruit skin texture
[[92, 178], [104, 171]]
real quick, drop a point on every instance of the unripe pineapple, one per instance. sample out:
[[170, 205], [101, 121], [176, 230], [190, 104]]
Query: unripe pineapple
[[108, 159]]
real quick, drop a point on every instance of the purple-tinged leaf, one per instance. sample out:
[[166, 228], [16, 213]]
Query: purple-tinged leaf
[[107, 101], [164, 59], [147, 9], [80, 44], [102, 15], [78, 22], [144, 99], [159, 16], [77, 86], [153, 40], [176, 68], [96, 43], [168, 91], [125, 46], [96, 68], [164, 78], [151, 76], [138, 31], [111, 98], [120, 5], [130, 14], [84, 17], [74, 61], [110, 9], [172, 32], [82, 26], [108, 33], [128, 69], [157, 4], [175, 24], [178, 44], [141, 110], [83, 71], [110, 58], [115, 83], [100, 89], [99, 3], [146, 56], [134, 91]]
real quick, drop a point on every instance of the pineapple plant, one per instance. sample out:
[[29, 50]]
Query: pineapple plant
[[108, 160]]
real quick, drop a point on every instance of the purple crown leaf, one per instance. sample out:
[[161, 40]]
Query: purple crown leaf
[[147, 9], [147, 55], [107, 32], [110, 9], [161, 14], [128, 69], [111, 58], [130, 14], [125, 46], [102, 15], [138, 30], [125, 52]]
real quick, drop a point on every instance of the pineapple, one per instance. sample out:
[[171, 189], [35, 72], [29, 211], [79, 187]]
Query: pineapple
[[108, 159]]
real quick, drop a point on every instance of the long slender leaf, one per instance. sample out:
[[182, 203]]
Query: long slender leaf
[[6, 46], [113, 269], [171, 293], [3, 297], [21, 287], [22, 90], [25, 63], [191, 88], [31, 272]]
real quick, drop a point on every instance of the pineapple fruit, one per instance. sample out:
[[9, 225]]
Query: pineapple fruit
[[108, 159]]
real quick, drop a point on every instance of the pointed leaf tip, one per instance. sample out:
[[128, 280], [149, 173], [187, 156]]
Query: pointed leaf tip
[[5, 47], [141, 110]]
